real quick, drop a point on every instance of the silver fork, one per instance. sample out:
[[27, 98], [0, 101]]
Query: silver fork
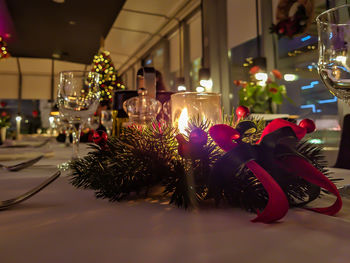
[[14, 201], [20, 166]]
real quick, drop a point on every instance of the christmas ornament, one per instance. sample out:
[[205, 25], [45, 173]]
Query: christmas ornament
[[100, 138], [308, 124], [242, 112]]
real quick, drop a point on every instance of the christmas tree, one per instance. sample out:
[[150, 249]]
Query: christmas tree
[[110, 80], [3, 49]]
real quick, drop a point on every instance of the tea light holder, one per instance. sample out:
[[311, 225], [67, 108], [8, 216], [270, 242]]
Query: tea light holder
[[205, 106]]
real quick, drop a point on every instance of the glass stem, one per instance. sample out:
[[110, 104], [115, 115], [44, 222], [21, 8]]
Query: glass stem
[[67, 141], [76, 130]]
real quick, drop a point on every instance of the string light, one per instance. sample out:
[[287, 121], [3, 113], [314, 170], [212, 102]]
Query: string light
[[109, 79], [3, 49]]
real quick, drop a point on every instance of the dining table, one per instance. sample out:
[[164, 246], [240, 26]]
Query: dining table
[[65, 224]]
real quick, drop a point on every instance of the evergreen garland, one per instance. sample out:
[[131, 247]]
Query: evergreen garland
[[144, 158]]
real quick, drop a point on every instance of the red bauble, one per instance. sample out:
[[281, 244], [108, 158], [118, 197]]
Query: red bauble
[[3, 104], [100, 138], [308, 124], [242, 111], [91, 135]]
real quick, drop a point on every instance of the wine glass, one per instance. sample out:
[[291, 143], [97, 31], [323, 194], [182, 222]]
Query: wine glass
[[64, 127], [334, 50], [107, 120], [78, 98]]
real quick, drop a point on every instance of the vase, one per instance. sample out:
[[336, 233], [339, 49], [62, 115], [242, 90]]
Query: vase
[[3, 133]]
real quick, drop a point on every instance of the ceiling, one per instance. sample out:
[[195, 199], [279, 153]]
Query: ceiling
[[140, 25], [72, 30], [69, 31]]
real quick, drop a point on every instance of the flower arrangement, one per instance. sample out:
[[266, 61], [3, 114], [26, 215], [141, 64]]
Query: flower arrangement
[[261, 93], [4, 119]]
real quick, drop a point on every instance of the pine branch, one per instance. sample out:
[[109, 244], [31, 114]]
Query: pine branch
[[141, 159]]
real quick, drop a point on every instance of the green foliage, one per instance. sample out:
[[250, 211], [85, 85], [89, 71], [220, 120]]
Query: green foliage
[[5, 119], [142, 159], [259, 99], [260, 96]]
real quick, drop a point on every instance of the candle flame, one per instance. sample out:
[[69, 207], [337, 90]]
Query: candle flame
[[183, 121]]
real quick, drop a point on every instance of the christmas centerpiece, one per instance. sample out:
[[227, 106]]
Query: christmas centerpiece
[[239, 161]]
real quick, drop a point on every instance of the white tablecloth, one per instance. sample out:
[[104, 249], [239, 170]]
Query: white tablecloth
[[63, 224]]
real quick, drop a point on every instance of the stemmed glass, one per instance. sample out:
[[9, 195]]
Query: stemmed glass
[[334, 50], [107, 120], [77, 100]]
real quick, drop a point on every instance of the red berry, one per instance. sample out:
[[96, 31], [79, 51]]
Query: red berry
[[242, 111], [308, 124]]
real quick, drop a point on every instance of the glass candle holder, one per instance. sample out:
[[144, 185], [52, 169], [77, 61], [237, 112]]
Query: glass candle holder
[[204, 106], [141, 109]]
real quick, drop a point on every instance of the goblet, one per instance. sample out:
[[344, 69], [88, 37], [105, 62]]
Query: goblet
[[334, 50], [107, 120], [78, 98]]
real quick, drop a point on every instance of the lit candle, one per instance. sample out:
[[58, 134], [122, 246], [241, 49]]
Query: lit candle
[[204, 106], [18, 126]]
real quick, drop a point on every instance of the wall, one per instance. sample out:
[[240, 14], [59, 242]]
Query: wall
[[36, 77], [241, 22]]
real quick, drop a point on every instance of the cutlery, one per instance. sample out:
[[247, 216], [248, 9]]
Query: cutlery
[[20, 166], [26, 145], [14, 201]]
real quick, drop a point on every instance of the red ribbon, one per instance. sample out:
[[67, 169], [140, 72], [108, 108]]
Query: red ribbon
[[304, 169], [277, 205]]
